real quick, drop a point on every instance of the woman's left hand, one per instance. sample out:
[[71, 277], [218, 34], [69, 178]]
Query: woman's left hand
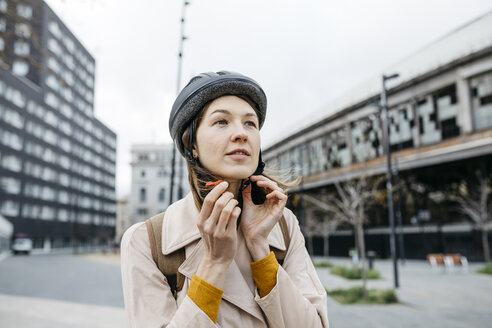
[[257, 221]]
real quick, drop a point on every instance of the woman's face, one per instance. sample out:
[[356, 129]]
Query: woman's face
[[228, 138]]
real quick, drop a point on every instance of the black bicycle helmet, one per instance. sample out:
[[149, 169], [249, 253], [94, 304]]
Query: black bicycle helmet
[[206, 87]]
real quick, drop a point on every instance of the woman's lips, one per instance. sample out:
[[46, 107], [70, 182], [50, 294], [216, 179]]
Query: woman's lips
[[238, 156]]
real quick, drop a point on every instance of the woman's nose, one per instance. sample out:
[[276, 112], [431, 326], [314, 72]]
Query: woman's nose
[[239, 135]]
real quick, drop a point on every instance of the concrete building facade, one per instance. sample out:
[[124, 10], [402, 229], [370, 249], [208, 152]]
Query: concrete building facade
[[57, 160], [440, 134], [151, 176]]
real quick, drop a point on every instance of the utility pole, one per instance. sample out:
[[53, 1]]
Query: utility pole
[[389, 183], [401, 246], [178, 88]]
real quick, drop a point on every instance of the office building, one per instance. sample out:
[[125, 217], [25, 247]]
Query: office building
[[151, 179], [57, 160]]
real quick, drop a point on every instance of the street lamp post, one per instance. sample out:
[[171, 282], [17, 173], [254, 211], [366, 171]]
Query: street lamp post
[[178, 88], [401, 246], [389, 183]]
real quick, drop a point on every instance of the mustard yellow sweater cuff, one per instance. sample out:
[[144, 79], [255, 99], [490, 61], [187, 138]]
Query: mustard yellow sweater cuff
[[264, 274], [206, 296]]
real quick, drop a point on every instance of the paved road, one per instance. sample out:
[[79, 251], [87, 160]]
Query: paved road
[[59, 291], [62, 277]]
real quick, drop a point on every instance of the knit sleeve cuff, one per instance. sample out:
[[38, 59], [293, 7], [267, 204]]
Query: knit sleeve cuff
[[206, 296], [264, 274]]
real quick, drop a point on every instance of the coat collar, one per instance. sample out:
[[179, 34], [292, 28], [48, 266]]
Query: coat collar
[[180, 227]]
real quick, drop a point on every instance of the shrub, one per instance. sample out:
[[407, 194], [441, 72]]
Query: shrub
[[487, 269], [323, 265], [354, 295], [354, 273]]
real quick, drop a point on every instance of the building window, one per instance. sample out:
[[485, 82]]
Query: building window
[[10, 208], [54, 28], [3, 6], [481, 88], [11, 140], [21, 29], [2, 44], [142, 173], [446, 103], [401, 127], [162, 194], [11, 162], [54, 47], [365, 139], [10, 185], [143, 194], [24, 11], [12, 117], [52, 82], [161, 172], [3, 25], [142, 211], [428, 125], [21, 48], [20, 68]]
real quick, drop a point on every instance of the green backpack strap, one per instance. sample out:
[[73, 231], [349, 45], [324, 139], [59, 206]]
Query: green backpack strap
[[167, 264]]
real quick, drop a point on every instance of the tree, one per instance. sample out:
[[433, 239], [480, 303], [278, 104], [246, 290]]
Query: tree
[[474, 201], [323, 225], [349, 206]]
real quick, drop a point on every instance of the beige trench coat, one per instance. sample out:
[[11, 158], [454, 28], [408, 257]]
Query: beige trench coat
[[297, 300]]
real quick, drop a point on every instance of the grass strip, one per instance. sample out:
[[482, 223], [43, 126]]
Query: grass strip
[[322, 265], [354, 273], [486, 269], [354, 295]]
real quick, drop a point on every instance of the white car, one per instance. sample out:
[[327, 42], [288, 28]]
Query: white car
[[22, 245]]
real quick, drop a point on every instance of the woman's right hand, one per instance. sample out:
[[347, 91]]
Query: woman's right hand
[[217, 224]]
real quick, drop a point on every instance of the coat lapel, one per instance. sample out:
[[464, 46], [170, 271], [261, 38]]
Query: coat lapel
[[236, 289], [179, 226]]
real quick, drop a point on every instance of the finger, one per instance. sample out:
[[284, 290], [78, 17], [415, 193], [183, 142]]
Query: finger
[[280, 200], [277, 194], [219, 205], [232, 224], [226, 214], [260, 178], [268, 184], [211, 198]]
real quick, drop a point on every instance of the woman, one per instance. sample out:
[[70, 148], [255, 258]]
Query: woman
[[226, 229]]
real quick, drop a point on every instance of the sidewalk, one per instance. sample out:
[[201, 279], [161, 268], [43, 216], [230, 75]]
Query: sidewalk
[[428, 298], [30, 312]]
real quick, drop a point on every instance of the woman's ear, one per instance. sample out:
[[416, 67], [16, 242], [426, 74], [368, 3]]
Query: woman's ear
[[195, 152]]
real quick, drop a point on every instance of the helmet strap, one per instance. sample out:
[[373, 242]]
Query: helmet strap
[[191, 138], [261, 166]]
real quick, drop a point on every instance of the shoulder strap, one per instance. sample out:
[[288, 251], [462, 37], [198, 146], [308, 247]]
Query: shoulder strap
[[167, 264], [280, 255]]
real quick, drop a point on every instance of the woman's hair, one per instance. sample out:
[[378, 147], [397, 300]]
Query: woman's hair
[[199, 176]]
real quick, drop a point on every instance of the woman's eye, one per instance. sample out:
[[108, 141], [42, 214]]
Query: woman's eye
[[251, 123], [221, 122]]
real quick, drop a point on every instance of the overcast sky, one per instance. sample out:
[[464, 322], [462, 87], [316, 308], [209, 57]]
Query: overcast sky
[[303, 53]]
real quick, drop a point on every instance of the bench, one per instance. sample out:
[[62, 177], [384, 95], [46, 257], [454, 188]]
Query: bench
[[448, 261]]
